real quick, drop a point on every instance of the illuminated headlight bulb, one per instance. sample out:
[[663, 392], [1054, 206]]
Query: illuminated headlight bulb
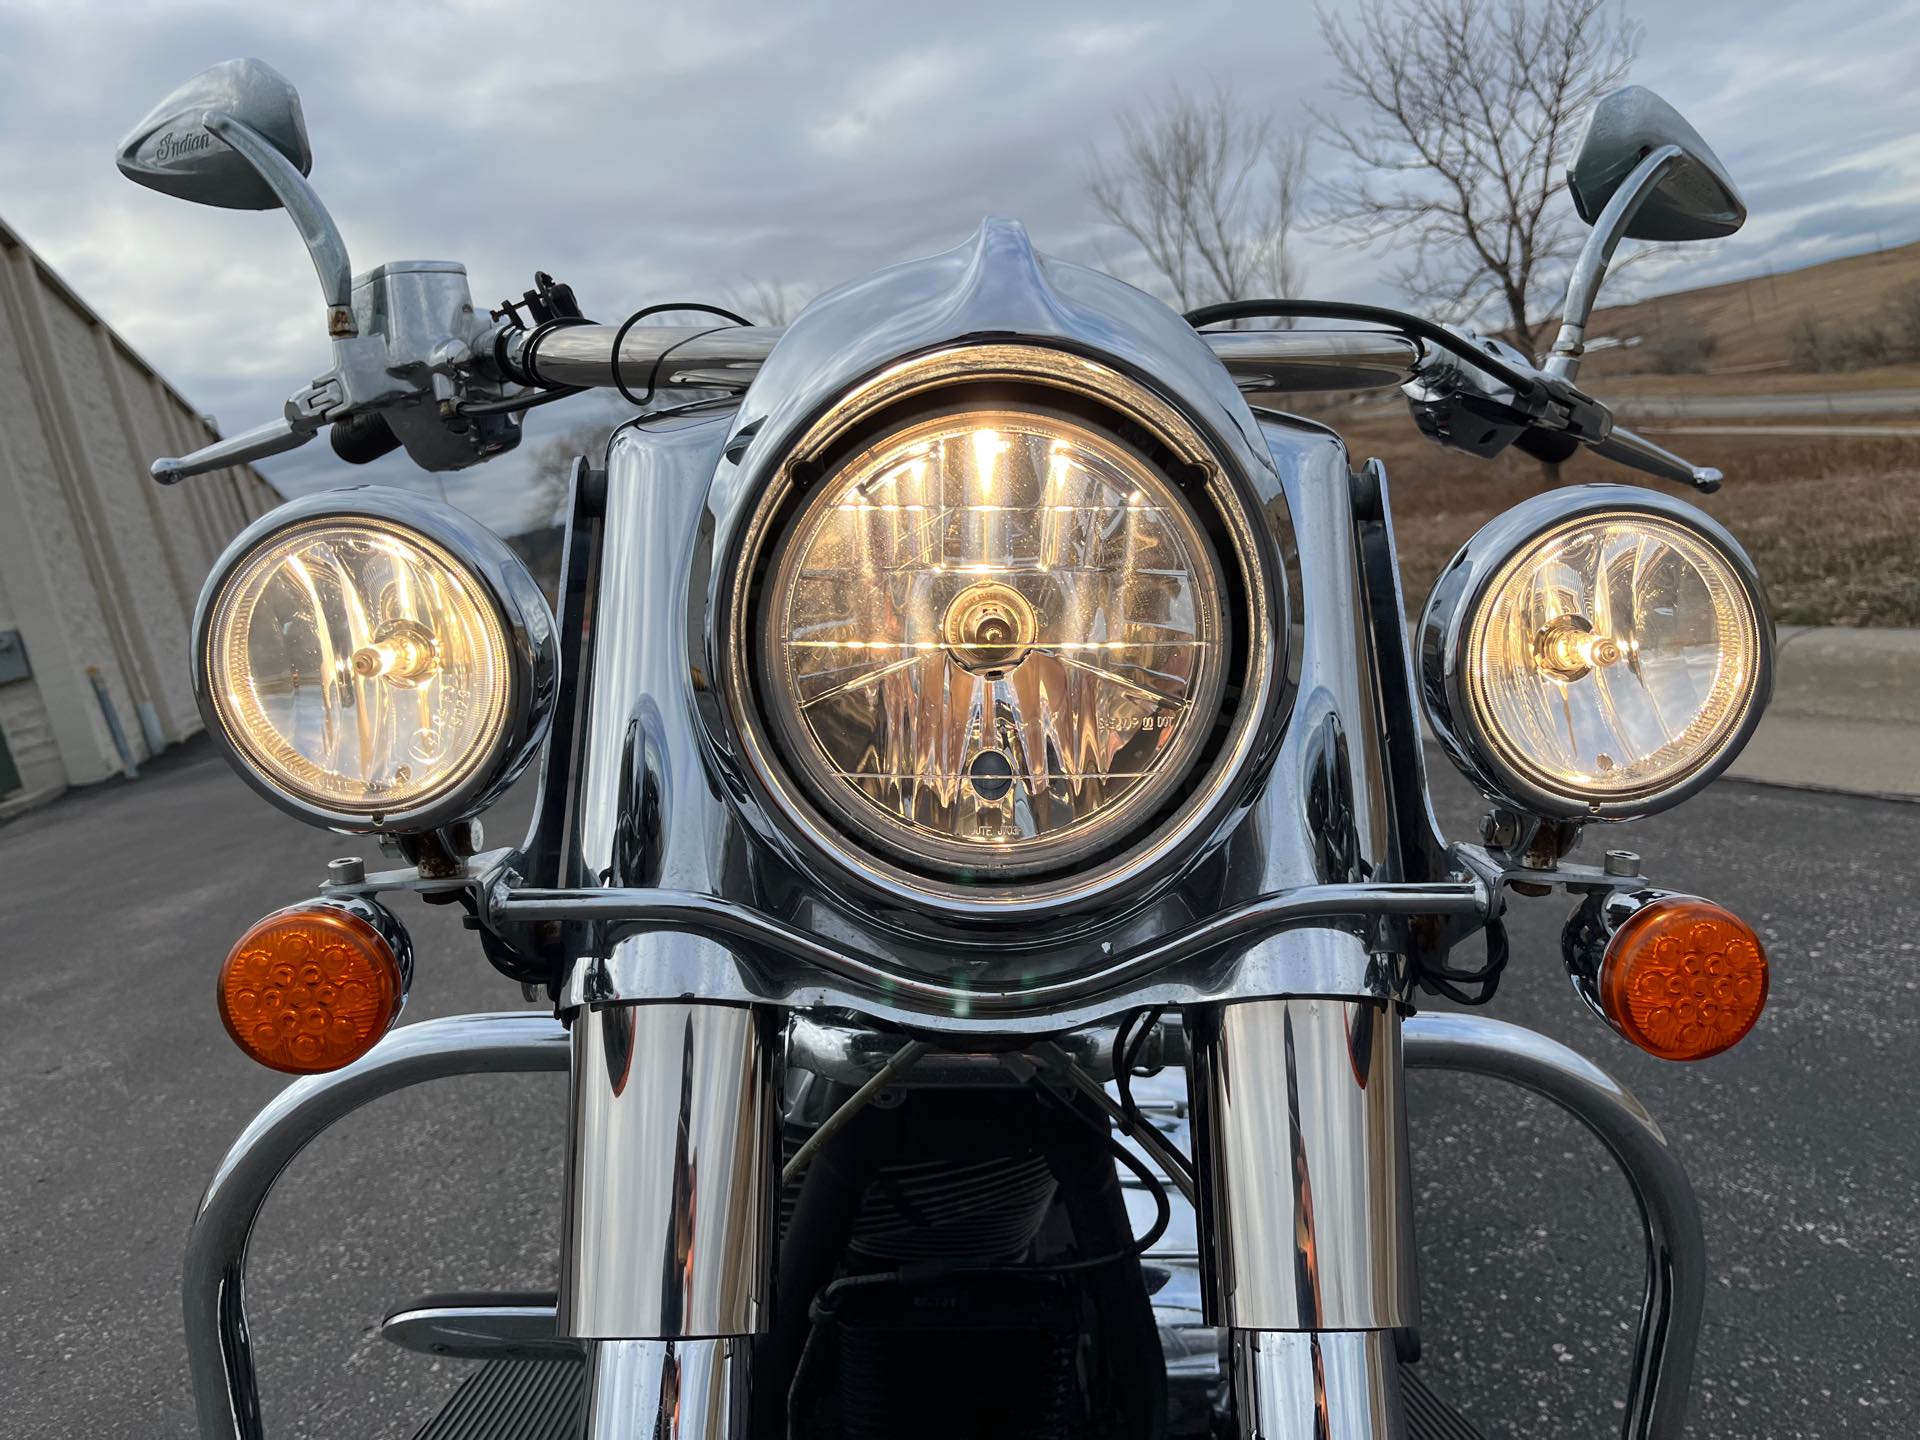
[[358, 666], [1613, 656], [993, 641]]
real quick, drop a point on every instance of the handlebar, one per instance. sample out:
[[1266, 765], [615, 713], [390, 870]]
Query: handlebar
[[1544, 414], [727, 358]]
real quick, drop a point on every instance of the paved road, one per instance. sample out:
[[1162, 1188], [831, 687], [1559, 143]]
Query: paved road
[[1849, 432], [118, 1092], [1767, 406]]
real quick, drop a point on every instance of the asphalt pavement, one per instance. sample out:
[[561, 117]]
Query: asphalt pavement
[[119, 1092]]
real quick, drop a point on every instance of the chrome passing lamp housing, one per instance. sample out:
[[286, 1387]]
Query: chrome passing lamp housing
[[1000, 623], [1596, 653], [372, 660]]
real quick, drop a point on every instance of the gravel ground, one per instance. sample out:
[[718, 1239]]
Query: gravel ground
[[119, 1092]]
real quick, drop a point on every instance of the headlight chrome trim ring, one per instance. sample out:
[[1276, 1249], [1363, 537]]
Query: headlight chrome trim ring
[[1464, 588], [807, 833], [518, 608]]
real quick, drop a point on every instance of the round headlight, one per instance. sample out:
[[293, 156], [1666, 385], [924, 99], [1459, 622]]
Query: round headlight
[[1599, 652], [994, 640], [380, 664]]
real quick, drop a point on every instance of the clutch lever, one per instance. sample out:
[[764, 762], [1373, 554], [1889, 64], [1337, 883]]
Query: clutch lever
[[276, 437], [306, 411]]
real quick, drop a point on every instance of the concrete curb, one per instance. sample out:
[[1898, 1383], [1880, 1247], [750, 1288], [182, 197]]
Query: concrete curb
[[1845, 714]]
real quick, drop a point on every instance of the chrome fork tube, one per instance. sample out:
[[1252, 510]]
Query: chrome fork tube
[[667, 1389], [1306, 1210], [668, 1247]]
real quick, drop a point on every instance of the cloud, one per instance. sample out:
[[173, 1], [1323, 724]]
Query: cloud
[[648, 152]]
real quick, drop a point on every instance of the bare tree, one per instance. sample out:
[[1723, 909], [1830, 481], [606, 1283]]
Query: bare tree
[[1468, 112], [1281, 272], [768, 302], [549, 462], [1210, 194]]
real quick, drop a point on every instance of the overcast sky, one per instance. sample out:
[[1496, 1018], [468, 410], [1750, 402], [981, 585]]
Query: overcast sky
[[646, 152]]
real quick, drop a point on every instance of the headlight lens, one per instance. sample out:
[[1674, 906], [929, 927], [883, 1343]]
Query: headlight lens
[[994, 639], [358, 666], [1613, 656]]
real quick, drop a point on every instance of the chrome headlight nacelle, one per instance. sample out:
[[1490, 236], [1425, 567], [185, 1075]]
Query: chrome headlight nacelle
[[1596, 653], [985, 624], [372, 660]]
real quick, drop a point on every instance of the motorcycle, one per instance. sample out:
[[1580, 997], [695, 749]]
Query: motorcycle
[[982, 868]]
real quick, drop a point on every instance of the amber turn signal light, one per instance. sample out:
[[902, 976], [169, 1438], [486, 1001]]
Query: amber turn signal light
[[313, 987], [1683, 978]]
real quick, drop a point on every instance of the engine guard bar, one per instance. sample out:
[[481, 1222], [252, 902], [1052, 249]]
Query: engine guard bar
[[220, 1346], [1460, 907]]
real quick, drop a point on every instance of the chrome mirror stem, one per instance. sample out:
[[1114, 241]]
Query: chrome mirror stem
[[310, 216], [1583, 286]]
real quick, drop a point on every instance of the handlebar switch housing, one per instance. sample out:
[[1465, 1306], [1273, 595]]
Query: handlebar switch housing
[[1463, 407]]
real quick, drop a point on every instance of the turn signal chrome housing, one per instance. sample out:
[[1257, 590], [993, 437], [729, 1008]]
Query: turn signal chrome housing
[[1680, 977], [313, 987]]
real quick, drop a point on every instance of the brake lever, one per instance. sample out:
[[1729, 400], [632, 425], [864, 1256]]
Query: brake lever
[[1464, 405], [1624, 447]]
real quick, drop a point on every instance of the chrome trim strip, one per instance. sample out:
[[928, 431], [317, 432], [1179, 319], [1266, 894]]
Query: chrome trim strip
[[483, 1329], [1669, 1212], [219, 1346], [722, 920]]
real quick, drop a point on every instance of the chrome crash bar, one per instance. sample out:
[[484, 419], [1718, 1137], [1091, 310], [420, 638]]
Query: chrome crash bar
[[219, 1343], [226, 1392], [728, 357]]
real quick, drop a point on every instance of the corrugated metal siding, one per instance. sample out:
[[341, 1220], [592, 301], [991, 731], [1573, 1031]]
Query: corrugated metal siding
[[101, 567]]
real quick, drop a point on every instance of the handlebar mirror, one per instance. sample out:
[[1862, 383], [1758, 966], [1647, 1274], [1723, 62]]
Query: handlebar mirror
[[234, 136], [176, 152], [1693, 197]]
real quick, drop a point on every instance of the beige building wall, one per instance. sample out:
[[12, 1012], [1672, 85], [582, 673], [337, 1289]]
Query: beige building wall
[[99, 566]]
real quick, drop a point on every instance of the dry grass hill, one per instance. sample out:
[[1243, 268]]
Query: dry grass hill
[[1752, 322]]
